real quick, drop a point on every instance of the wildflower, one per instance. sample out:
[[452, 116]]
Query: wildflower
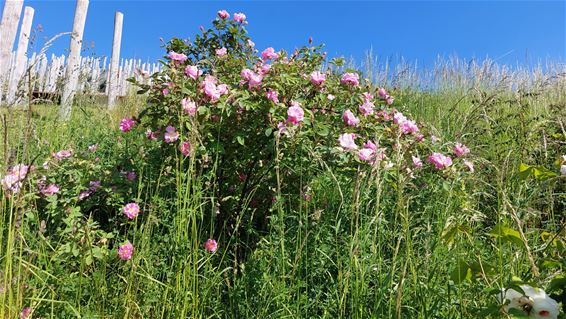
[[347, 141], [50, 190], [13, 181], [295, 113], [563, 169], [24, 314], [352, 79], [127, 124], [350, 119], [330, 97], [272, 96], [185, 148], [367, 108], [210, 245], [461, 150], [177, 57], [189, 106], [269, 53], [125, 251], [131, 210], [171, 135], [131, 176], [150, 134], [221, 52], [440, 161], [318, 78], [63, 154], [239, 17], [223, 14], [93, 147], [193, 72], [417, 162], [366, 154], [45, 165], [409, 127], [535, 303]]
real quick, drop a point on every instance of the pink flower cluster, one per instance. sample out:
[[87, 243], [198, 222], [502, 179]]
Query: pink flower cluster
[[295, 113], [272, 96], [350, 119], [211, 245], [352, 79], [223, 14], [131, 210], [50, 190], [384, 95], [405, 125], [192, 71], [189, 106], [317, 78], [367, 107], [127, 124], [461, 150], [370, 153], [125, 251], [269, 54], [440, 161], [171, 135], [251, 78], [177, 57], [212, 89], [239, 17], [13, 181], [222, 52]]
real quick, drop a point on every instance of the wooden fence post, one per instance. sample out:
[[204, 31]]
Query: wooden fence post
[[8, 30], [73, 61], [113, 80], [21, 59]]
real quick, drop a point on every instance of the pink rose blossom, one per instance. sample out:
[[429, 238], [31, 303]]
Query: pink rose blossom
[[255, 81], [366, 154], [223, 14], [417, 162], [350, 119], [295, 114], [221, 52], [239, 17], [347, 141], [171, 135], [52, 189], [370, 145], [193, 72], [352, 79], [264, 68], [177, 57], [185, 148], [127, 124], [131, 210], [150, 134], [272, 96], [189, 106], [461, 150], [409, 127], [269, 53], [125, 251], [367, 108], [318, 78], [399, 118], [63, 154], [210, 245], [440, 161]]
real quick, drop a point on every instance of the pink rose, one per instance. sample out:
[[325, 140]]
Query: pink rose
[[347, 141], [461, 150], [125, 251], [189, 106], [127, 124], [440, 161], [221, 52], [295, 114], [239, 17], [269, 53], [367, 108], [177, 57], [350, 119], [223, 14], [318, 78], [193, 72], [272, 96], [352, 79], [211, 245]]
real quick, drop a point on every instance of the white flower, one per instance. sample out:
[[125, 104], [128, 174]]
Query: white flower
[[563, 169], [535, 303]]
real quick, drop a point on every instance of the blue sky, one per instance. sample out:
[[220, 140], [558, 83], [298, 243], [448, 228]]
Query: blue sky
[[510, 31]]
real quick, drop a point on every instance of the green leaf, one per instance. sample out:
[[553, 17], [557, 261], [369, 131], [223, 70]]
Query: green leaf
[[506, 234], [268, 131], [240, 140]]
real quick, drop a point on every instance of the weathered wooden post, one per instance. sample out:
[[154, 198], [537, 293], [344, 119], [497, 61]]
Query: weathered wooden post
[[72, 72], [21, 57], [115, 61], [8, 30]]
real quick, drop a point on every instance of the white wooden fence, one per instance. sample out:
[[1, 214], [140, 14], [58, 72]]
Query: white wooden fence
[[47, 74]]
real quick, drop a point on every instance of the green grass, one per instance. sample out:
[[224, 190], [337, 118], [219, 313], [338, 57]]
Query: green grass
[[360, 249]]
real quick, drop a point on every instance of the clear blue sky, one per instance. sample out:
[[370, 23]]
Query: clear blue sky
[[509, 31]]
